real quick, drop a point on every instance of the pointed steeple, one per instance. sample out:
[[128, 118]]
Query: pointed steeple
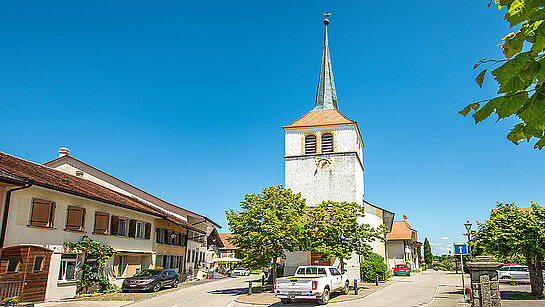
[[326, 97]]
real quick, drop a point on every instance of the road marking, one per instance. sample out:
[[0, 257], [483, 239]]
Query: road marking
[[436, 290]]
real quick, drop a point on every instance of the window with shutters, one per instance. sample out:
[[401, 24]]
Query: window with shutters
[[310, 144], [327, 143], [159, 235], [75, 218], [38, 263], [101, 223], [139, 232], [13, 264], [43, 213], [122, 227]]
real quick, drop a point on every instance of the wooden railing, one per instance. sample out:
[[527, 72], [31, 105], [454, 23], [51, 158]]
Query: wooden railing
[[9, 289]]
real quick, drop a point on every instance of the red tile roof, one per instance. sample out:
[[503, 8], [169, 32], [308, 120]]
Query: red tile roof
[[401, 230], [321, 118], [47, 177], [225, 242]]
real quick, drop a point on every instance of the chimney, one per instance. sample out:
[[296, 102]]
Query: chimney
[[63, 151]]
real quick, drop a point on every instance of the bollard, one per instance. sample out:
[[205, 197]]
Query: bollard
[[262, 280], [376, 279], [355, 286], [250, 288]]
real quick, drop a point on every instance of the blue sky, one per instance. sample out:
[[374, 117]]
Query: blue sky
[[186, 99]]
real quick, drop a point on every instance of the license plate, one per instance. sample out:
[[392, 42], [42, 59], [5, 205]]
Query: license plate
[[132, 285]]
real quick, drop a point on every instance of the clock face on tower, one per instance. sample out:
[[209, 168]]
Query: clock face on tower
[[323, 163]]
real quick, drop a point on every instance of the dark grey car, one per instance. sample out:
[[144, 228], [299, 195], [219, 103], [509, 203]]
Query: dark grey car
[[151, 280]]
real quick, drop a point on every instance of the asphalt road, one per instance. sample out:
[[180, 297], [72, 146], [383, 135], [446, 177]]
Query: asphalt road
[[221, 293]]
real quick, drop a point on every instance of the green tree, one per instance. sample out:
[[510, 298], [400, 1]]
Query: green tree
[[511, 232], [428, 256], [334, 231], [269, 224], [520, 75], [95, 256]]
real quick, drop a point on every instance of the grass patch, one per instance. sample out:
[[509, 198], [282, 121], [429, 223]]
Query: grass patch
[[526, 296]]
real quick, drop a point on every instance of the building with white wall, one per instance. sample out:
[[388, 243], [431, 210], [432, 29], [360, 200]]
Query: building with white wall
[[324, 162]]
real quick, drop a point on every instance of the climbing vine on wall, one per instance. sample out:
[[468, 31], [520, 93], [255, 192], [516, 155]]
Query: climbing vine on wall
[[95, 257]]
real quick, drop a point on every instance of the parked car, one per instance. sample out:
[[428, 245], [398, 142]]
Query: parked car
[[515, 272], [151, 280], [311, 282], [241, 272], [402, 269]]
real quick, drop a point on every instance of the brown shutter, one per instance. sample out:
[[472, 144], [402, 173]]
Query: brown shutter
[[113, 225], [147, 232], [132, 228], [74, 219], [101, 222], [41, 213], [52, 214]]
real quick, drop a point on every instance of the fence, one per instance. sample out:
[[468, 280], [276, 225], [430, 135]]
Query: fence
[[10, 288]]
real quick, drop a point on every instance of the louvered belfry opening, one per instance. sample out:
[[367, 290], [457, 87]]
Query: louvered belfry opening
[[310, 144], [327, 142]]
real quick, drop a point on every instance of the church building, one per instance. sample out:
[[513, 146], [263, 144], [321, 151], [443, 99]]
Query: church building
[[324, 161]]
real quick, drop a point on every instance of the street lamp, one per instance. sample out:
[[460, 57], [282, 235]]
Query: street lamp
[[468, 227]]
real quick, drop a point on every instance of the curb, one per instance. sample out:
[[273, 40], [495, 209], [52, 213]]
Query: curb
[[330, 302]]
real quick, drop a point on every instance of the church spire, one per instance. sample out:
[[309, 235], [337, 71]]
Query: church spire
[[326, 97]]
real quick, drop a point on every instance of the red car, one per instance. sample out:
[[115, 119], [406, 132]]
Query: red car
[[402, 269]]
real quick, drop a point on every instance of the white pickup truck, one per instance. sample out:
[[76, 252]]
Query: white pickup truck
[[311, 282]]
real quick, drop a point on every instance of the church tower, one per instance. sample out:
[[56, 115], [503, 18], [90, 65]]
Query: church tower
[[324, 161], [324, 148]]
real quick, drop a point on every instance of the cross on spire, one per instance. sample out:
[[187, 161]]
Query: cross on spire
[[326, 97]]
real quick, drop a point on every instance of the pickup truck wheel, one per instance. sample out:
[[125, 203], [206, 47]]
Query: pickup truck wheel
[[324, 299], [346, 288], [285, 301]]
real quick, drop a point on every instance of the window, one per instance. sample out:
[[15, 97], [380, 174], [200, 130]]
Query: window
[[101, 222], [310, 144], [75, 218], [43, 213], [38, 262], [121, 265], [172, 261], [327, 142], [13, 264], [159, 235], [67, 270], [122, 227], [139, 233], [334, 271], [321, 271]]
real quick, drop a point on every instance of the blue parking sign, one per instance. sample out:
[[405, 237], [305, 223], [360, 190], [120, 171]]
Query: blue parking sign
[[460, 249]]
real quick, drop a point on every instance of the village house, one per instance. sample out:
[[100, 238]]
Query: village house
[[219, 246], [324, 162], [42, 208], [402, 245], [175, 247]]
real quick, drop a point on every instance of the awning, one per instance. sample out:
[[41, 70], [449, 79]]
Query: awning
[[225, 259]]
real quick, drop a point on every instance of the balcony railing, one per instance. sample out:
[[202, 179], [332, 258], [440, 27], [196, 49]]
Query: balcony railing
[[9, 289]]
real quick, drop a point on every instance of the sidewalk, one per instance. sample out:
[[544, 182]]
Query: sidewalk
[[449, 291]]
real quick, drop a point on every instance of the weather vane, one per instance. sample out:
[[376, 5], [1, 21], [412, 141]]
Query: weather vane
[[326, 21]]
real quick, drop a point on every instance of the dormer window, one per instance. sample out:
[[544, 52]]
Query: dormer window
[[327, 143], [310, 144]]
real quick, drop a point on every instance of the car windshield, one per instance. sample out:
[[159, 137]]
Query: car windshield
[[401, 266], [148, 273]]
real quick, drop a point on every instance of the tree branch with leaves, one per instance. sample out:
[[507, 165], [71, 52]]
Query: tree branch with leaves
[[521, 76]]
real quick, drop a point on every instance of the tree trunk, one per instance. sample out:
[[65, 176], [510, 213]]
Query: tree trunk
[[536, 275], [342, 264]]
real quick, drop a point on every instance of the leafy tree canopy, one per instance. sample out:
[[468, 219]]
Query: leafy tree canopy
[[520, 75], [511, 232], [269, 224], [335, 230]]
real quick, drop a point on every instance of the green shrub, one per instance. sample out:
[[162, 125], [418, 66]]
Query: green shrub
[[374, 265]]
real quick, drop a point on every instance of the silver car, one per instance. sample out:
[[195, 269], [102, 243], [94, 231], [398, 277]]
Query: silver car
[[514, 272]]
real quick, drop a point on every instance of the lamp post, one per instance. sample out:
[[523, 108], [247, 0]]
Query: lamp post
[[468, 227]]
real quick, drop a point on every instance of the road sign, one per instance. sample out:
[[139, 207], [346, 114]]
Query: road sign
[[460, 249]]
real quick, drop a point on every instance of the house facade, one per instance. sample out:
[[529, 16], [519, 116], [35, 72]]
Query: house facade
[[402, 245], [188, 258], [42, 208], [324, 161]]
